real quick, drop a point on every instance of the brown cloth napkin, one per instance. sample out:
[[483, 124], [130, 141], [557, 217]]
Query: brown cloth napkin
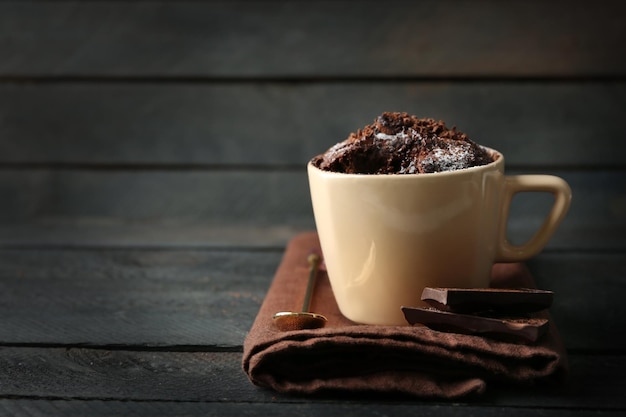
[[348, 357]]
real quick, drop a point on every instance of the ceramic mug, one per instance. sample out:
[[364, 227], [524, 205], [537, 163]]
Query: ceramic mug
[[386, 237]]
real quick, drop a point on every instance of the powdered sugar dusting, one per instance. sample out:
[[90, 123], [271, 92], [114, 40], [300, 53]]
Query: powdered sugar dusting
[[410, 169], [384, 136], [449, 158]]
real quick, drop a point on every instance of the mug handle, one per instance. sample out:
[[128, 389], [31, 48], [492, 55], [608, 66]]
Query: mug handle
[[506, 252]]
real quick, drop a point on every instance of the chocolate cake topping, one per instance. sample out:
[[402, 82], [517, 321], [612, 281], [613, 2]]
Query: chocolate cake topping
[[398, 143]]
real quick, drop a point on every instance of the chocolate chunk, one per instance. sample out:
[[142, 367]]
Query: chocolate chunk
[[521, 329], [498, 300]]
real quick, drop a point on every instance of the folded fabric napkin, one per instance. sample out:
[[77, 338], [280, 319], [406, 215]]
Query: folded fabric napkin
[[349, 357]]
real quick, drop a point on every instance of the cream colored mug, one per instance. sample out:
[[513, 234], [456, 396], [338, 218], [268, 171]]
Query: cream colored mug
[[386, 237]]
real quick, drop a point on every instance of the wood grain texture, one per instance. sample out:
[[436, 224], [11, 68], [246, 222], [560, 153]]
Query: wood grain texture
[[586, 310], [313, 38], [284, 124], [92, 374], [213, 207], [584, 383], [111, 232], [138, 298], [209, 298], [349, 408], [101, 374]]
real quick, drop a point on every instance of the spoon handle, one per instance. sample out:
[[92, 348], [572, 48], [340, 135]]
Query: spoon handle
[[314, 262]]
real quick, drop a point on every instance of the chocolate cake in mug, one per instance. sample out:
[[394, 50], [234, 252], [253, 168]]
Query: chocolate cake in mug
[[398, 143]]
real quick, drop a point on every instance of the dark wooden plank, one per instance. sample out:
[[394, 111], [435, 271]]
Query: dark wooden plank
[[103, 374], [584, 385], [265, 124], [596, 382], [210, 298], [588, 308], [171, 233], [312, 38], [97, 408], [224, 207], [139, 298]]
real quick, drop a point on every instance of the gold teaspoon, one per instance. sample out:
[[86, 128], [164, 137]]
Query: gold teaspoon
[[292, 320]]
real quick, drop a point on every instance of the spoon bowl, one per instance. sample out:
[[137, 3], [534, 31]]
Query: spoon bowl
[[291, 320]]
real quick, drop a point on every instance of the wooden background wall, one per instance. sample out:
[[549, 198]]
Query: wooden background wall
[[118, 119], [162, 144]]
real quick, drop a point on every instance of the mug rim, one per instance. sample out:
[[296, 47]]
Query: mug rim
[[497, 162]]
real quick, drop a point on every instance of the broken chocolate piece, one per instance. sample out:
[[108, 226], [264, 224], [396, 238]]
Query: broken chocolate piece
[[498, 300], [524, 329]]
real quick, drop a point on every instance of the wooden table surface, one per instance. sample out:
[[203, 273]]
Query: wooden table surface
[[152, 169]]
